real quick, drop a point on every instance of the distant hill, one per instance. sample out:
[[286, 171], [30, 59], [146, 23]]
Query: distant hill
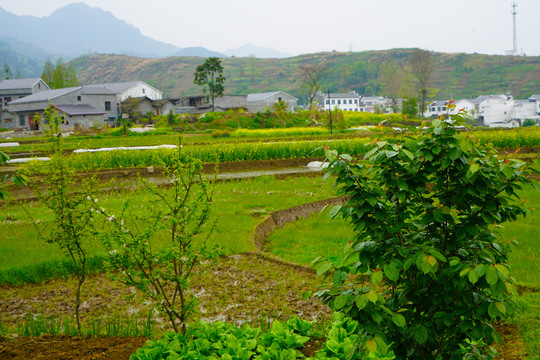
[[455, 75], [23, 58], [91, 30], [250, 50]]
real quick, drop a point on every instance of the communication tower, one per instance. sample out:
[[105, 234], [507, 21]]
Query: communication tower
[[514, 13]]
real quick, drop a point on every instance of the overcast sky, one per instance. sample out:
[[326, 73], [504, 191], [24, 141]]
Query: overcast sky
[[299, 27]]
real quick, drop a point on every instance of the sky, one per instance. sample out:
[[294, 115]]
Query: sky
[[299, 27]]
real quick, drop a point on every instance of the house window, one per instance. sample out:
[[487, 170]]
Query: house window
[[356, 101], [339, 102], [333, 102], [79, 98], [7, 99], [444, 108], [327, 102], [107, 106], [350, 101], [433, 109], [144, 91]]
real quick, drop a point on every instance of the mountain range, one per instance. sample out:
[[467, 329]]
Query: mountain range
[[79, 29]]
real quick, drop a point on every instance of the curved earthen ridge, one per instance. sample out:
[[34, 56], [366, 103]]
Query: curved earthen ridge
[[281, 217]]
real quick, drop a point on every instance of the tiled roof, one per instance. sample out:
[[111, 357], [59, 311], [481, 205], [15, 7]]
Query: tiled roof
[[44, 95], [16, 84], [74, 110]]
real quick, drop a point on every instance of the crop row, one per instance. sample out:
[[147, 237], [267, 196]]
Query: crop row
[[228, 152]]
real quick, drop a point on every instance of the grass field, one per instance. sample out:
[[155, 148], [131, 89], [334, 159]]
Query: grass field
[[239, 206]]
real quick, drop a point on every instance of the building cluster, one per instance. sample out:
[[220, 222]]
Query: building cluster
[[23, 102], [487, 110]]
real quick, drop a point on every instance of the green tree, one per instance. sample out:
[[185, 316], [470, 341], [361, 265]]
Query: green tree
[[48, 72], [158, 253], [409, 108], [425, 274], [421, 63], [392, 79], [6, 71], [311, 77], [68, 197], [210, 76], [60, 75]]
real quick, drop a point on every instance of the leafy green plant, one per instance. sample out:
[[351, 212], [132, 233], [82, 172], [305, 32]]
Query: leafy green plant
[[178, 213], [18, 179], [342, 341], [72, 226], [425, 274]]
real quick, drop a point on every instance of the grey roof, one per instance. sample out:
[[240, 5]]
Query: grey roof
[[264, 96], [46, 95], [486, 97], [97, 90], [439, 103], [116, 87], [74, 110], [16, 84]]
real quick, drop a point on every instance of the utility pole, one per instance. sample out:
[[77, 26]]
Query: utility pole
[[330, 110]]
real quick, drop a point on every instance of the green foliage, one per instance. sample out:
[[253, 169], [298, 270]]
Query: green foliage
[[18, 179], [282, 341], [423, 210], [179, 213], [210, 76], [410, 108], [73, 226], [59, 76], [528, 122]]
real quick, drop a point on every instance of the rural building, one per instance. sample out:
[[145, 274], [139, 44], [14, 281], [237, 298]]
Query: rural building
[[198, 105], [344, 101], [131, 89], [28, 107], [440, 107], [493, 110], [374, 104], [105, 98], [78, 117], [263, 101], [536, 99], [14, 89]]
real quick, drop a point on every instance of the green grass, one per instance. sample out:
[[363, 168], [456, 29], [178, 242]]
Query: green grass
[[318, 235], [238, 208]]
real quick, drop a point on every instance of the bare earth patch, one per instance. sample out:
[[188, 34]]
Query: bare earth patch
[[237, 289]]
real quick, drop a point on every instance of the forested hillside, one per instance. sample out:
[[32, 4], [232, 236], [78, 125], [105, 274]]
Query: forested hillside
[[454, 75]]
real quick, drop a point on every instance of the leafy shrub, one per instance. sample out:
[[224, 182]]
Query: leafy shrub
[[529, 122], [423, 209]]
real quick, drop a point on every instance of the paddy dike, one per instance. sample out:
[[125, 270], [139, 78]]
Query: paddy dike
[[118, 179]]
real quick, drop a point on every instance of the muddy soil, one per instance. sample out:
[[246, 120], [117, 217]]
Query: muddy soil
[[51, 347]]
